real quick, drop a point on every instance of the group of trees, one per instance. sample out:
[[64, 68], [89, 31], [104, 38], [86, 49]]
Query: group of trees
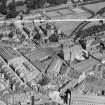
[[9, 7], [91, 31], [3, 6], [35, 4], [82, 1]]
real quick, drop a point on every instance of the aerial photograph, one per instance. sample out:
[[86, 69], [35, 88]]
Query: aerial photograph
[[52, 52]]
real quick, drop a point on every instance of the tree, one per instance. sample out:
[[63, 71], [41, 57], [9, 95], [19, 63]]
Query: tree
[[44, 81], [101, 22], [41, 3], [3, 8], [57, 2], [32, 4], [53, 38], [1, 35], [11, 35], [11, 11], [12, 6], [37, 36]]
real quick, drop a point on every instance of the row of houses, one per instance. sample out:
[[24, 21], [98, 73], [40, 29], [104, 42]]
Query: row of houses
[[10, 75]]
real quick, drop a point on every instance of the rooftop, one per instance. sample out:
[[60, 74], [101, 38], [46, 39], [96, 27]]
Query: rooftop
[[8, 53], [39, 54]]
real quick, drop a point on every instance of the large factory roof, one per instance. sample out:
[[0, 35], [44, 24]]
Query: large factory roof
[[8, 53], [39, 54]]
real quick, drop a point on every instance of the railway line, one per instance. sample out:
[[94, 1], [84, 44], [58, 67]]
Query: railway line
[[84, 23]]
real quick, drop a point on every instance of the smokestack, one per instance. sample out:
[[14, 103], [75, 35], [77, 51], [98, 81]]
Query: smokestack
[[70, 59], [32, 100]]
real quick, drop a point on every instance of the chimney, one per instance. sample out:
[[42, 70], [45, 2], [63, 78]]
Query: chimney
[[32, 98]]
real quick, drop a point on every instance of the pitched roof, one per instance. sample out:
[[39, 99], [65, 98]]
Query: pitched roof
[[40, 54], [8, 53]]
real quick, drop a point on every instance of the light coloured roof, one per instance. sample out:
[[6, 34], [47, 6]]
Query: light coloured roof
[[8, 53], [40, 54], [41, 65]]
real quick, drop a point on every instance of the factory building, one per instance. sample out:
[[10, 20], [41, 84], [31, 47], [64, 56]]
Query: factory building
[[55, 67], [73, 52], [11, 75], [38, 54], [8, 53]]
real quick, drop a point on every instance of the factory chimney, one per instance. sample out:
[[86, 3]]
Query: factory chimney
[[32, 99]]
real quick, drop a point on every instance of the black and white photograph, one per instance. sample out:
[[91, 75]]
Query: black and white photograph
[[52, 52]]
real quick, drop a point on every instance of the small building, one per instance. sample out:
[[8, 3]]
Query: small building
[[93, 46], [73, 52], [54, 67]]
